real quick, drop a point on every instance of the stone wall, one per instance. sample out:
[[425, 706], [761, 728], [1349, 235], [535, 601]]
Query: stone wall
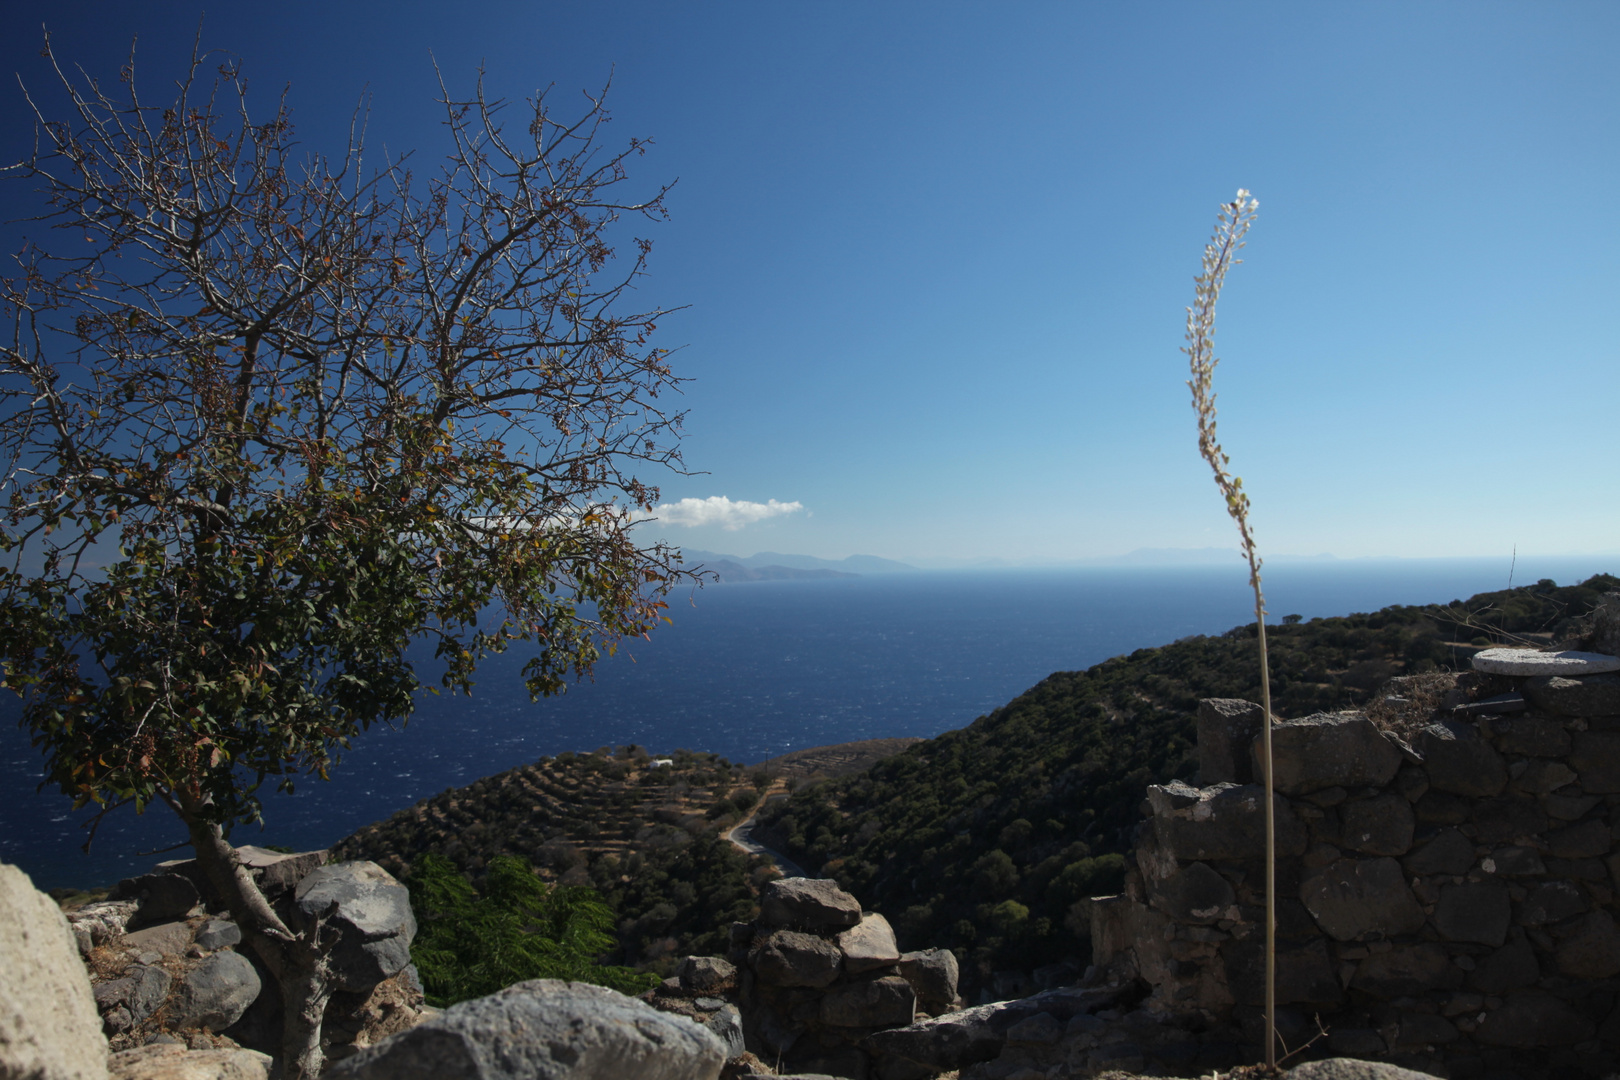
[[1446, 902]]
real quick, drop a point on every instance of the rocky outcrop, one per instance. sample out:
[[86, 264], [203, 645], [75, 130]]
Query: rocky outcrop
[[544, 1030], [49, 1029], [372, 914]]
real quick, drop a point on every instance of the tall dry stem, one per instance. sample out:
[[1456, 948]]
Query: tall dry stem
[[1220, 255]]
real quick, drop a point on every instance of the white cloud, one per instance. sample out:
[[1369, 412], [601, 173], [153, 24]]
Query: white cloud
[[721, 511]]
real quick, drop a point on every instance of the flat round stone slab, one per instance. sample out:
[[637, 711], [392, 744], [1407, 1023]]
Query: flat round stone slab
[[1531, 662]]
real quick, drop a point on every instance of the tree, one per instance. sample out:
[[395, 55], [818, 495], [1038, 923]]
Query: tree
[[267, 418]]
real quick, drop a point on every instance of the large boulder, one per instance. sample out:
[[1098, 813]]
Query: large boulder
[[789, 958], [1356, 898], [49, 1027], [543, 1029], [1329, 750], [933, 973], [807, 904], [1223, 822], [1226, 727], [216, 992], [868, 945], [1460, 761], [373, 917], [172, 1061]]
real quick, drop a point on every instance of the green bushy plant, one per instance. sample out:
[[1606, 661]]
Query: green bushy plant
[[469, 945]]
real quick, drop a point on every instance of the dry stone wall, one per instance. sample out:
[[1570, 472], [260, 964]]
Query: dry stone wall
[[1445, 902]]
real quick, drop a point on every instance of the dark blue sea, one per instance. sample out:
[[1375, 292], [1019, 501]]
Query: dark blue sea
[[752, 670]]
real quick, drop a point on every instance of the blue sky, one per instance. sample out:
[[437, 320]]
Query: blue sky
[[935, 256]]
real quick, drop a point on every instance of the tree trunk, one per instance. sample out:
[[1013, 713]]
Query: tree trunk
[[297, 960]]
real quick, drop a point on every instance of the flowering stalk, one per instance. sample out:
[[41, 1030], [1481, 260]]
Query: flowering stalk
[[1220, 255]]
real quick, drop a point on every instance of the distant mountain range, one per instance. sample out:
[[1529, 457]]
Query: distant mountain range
[[775, 566]]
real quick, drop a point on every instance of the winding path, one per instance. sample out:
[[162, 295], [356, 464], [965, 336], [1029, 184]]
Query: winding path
[[741, 836]]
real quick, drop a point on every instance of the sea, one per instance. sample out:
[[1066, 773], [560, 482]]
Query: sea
[[752, 670]]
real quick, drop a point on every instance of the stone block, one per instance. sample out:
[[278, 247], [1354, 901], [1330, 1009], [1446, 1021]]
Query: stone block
[[1356, 897], [374, 920], [1530, 736], [706, 975], [49, 1026], [1469, 912], [1513, 860], [878, 1003], [1587, 840], [790, 958], [162, 896], [1226, 728], [1425, 1029], [170, 938], [1329, 750], [1590, 695], [216, 992], [1458, 760], [1552, 902], [1538, 664], [933, 974], [1227, 823], [1407, 971], [1447, 852], [1591, 948], [1596, 758], [1194, 894], [807, 904], [127, 1001], [1512, 967], [1533, 1018], [869, 945], [1508, 818], [1541, 776], [218, 933], [543, 1029], [1381, 825], [1441, 808]]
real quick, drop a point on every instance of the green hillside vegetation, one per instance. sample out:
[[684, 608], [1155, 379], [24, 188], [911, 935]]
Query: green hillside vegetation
[[984, 839], [648, 838]]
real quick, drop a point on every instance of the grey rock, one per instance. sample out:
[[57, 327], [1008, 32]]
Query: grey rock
[[1341, 1068], [1304, 974], [1569, 807], [1536, 663], [373, 918], [1195, 894], [1533, 1018], [1226, 728], [1381, 825], [1448, 852], [706, 975], [868, 945], [161, 896], [218, 933], [1038, 1030], [1441, 808], [166, 1060], [933, 974], [216, 992], [1407, 970], [886, 1002], [1530, 736], [807, 903], [1354, 897], [1458, 760], [726, 1024], [1330, 750], [1513, 861], [1541, 776], [138, 994], [543, 1029], [1353, 1040], [789, 958], [1551, 902], [1593, 695], [1597, 758], [1479, 913], [49, 1026], [164, 939], [1228, 823], [1587, 840], [1591, 950], [1512, 967], [1425, 1029], [1508, 818]]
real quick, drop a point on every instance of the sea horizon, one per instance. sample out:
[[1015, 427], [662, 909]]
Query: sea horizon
[[752, 670]]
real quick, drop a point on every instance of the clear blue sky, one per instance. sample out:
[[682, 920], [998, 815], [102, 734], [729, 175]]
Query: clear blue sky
[[936, 255]]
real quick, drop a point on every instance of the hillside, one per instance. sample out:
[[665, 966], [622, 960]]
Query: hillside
[[980, 839], [983, 839]]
